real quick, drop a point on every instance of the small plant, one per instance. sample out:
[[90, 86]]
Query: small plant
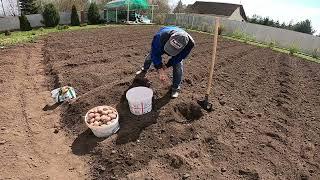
[[65, 27], [60, 28], [41, 29], [93, 14], [24, 23], [272, 44], [221, 29], [315, 53], [83, 25], [74, 17], [293, 49], [7, 33], [50, 15]]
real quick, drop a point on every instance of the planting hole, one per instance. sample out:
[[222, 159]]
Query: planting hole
[[188, 111]]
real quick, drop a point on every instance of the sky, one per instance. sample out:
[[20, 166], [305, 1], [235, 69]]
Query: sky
[[282, 10]]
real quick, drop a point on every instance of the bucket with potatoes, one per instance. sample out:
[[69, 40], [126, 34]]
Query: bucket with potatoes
[[103, 121]]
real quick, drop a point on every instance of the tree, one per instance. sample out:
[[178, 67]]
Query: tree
[[4, 12], [163, 6], [93, 14], [66, 5], [29, 7], [74, 17], [179, 8], [24, 23], [50, 15], [304, 27]]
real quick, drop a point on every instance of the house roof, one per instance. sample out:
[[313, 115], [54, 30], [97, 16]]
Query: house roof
[[221, 9]]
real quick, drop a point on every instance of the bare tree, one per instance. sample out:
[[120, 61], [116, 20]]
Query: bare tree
[[4, 12], [13, 7]]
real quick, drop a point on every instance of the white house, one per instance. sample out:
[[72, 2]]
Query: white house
[[230, 11]]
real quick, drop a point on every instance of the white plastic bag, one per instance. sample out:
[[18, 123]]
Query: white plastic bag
[[63, 94]]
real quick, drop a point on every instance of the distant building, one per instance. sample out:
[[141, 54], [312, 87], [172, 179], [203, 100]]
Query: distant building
[[230, 11], [9, 8]]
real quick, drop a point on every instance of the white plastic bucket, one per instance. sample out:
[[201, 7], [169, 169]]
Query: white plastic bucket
[[140, 100], [104, 130]]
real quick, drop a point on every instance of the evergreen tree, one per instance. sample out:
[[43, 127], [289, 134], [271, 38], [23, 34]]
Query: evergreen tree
[[179, 8], [74, 17], [29, 7], [24, 23], [304, 27], [50, 15], [93, 14]]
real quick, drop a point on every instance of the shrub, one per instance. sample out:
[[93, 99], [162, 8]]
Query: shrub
[[293, 49], [41, 29], [220, 29], [7, 33], [74, 17], [315, 53], [24, 23], [62, 27], [93, 14], [50, 15], [272, 44]]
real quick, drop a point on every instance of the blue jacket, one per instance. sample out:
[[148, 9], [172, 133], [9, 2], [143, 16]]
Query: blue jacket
[[158, 43]]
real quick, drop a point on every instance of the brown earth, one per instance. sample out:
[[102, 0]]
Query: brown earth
[[31, 143], [265, 124]]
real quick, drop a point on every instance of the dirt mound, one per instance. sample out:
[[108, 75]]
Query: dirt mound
[[265, 124]]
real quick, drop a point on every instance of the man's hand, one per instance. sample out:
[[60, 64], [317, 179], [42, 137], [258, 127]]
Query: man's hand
[[163, 75]]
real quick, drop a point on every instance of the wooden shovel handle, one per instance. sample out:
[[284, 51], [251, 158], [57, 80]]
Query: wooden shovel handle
[[214, 54]]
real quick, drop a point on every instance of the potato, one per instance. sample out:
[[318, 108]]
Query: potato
[[105, 112], [92, 120], [96, 123], [108, 118], [100, 123], [108, 123], [91, 115], [94, 110], [112, 115], [96, 115], [98, 118], [105, 108], [109, 111], [103, 117], [100, 109]]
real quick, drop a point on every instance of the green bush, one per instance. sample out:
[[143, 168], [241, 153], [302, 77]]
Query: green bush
[[50, 15], [74, 17], [93, 14], [272, 44], [7, 33], [220, 29], [315, 53], [24, 23], [83, 25], [293, 49], [41, 29]]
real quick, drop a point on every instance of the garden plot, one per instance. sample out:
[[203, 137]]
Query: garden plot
[[265, 124]]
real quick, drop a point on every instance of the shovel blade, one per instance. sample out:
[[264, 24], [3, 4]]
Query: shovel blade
[[206, 105]]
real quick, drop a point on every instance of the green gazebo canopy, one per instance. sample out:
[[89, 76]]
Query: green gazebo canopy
[[123, 4]]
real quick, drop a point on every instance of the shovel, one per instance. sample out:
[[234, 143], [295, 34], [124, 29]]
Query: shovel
[[205, 104]]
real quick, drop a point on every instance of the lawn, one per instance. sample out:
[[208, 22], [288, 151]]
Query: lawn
[[18, 37]]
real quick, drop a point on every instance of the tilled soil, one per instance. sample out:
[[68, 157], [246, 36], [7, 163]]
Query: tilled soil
[[265, 124]]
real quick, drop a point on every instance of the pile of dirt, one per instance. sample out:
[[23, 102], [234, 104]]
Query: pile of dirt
[[265, 126]]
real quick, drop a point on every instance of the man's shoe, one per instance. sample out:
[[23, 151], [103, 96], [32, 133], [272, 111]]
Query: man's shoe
[[174, 93], [141, 71]]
